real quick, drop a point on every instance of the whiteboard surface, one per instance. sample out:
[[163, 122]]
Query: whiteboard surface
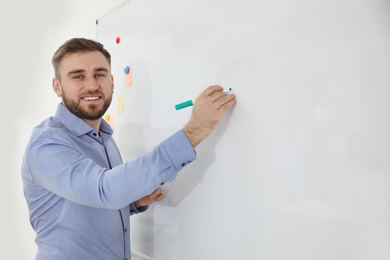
[[300, 168]]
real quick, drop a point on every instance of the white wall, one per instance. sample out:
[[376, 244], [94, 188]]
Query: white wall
[[30, 33]]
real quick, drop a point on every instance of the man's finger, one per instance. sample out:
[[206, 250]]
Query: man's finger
[[224, 106], [160, 197], [216, 95], [155, 193], [210, 90], [224, 100]]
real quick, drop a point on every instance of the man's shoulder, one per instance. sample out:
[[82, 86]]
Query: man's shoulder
[[50, 127], [51, 124], [49, 132]]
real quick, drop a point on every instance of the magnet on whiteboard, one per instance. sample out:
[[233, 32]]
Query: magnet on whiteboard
[[107, 117], [128, 77], [118, 40]]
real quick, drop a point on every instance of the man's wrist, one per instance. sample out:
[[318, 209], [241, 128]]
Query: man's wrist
[[137, 204], [193, 135]]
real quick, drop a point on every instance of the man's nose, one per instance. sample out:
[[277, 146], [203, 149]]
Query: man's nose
[[92, 84]]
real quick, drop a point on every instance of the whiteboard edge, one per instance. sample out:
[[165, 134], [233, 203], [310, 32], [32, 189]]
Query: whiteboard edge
[[115, 8], [135, 255]]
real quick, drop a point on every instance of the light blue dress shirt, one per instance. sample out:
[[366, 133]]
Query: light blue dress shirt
[[79, 193]]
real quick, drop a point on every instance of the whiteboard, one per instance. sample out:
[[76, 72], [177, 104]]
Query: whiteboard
[[300, 168]]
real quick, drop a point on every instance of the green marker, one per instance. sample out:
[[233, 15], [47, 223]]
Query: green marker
[[184, 104], [189, 102]]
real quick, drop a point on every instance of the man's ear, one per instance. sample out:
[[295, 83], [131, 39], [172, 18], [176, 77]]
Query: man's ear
[[112, 82], [57, 87]]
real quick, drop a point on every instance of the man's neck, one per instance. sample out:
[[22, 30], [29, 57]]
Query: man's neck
[[95, 124]]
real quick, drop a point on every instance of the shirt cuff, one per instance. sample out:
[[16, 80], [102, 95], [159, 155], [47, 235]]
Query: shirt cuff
[[134, 210], [179, 149]]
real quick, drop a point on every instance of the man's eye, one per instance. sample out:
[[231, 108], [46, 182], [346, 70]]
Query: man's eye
[[100, 75], [78, 77]]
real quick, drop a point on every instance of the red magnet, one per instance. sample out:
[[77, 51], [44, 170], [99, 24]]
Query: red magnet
[[118, 40]]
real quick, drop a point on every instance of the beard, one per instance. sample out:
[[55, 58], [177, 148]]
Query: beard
[[93, 111]]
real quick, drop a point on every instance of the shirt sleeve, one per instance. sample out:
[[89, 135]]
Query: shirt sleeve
[[134, 210], [58, 166]]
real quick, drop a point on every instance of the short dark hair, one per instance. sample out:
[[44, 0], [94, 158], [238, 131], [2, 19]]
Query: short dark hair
[[76, 45]]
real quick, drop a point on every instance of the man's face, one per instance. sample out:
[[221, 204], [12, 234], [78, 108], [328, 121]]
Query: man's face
[[86, 85]]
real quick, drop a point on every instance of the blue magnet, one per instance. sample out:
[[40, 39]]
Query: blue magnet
[[127, 70]]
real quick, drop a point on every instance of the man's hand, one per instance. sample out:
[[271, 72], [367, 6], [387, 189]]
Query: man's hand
[[150, 199], [208, 110]]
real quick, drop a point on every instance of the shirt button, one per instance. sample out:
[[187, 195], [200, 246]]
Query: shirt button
[[125, 230], [183, 164], [162, 183], [94, 134]]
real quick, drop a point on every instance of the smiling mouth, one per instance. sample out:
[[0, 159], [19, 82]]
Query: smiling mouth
[[90, 98]]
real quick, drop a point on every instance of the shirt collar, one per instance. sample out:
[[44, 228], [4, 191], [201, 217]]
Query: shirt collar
[[76, 125]]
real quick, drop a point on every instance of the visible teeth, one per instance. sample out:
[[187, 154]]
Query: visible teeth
[[91, 98]]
